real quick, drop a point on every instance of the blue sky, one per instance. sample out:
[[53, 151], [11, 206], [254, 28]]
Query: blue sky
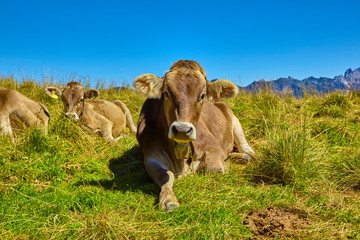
[[242, 41]]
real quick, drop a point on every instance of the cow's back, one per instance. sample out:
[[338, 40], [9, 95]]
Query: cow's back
[[13, 101], [108, 110]]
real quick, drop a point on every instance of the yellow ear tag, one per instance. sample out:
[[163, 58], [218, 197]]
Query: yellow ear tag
[[54, 96], [92, 98]]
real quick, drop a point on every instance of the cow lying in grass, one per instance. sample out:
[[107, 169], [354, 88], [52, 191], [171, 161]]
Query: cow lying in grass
[[180, 132], [99, 116], [16, 109]]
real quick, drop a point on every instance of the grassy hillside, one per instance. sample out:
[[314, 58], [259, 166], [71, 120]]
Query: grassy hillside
[[304, 184]]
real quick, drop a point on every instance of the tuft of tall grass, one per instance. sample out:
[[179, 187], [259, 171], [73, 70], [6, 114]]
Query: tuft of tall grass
[[290, 156], [334, 105], [346, 169]]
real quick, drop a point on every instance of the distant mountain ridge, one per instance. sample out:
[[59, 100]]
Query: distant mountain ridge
[[349, 81]]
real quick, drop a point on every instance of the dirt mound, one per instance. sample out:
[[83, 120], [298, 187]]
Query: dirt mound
[[274, 222]]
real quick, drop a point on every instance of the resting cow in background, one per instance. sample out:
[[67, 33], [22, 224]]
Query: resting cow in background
[[15, 108], [99, 116], [180, 132]]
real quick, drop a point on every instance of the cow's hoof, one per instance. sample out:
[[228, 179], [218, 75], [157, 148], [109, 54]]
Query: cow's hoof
[[171, 207], [250, 152], [246, 157], [118, 138], [242, 158]]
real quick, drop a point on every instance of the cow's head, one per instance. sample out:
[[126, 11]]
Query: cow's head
[[183, 90], [73, 97]]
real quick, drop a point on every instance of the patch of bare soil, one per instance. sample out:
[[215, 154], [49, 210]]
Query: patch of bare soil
[[275, 223]]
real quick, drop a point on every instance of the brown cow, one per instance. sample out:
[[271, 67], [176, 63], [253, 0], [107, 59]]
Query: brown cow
[[15, 107], [180, 132], [99, 116]]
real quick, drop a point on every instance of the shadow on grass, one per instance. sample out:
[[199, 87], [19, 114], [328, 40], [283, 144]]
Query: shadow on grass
[[129, 175]]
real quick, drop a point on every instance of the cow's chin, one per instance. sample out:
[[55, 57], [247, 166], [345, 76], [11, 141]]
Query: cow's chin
[[182, 141], [182, 150]]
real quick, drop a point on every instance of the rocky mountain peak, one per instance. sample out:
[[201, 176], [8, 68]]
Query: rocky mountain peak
[[350, 80], [348, 72]]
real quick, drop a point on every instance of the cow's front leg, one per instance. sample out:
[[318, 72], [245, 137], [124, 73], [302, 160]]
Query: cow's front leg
[[102, 125], [32, 119], [165, 179], [5, 127]]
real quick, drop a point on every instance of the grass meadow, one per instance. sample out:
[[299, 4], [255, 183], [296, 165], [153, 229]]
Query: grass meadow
[[71, 185]]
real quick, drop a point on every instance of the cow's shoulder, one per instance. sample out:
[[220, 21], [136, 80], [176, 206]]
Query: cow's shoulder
[[15, 98], [3, 95], [95, 102], [216, 111], [150, 110], [150, 116], [99, 105], [10, 93], [150, 130]]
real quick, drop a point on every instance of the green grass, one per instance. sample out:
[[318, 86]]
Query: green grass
[[71, 185]]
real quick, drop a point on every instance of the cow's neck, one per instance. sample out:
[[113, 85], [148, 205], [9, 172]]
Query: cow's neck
[[82, 111], [182, 151]]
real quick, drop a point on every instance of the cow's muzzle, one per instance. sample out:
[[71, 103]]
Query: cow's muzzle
[[182, 132], [72, 115]]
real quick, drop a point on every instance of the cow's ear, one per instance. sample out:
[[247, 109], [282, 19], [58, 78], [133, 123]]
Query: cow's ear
[[221, 89], [149, 84], [91, 94], [53, 92]]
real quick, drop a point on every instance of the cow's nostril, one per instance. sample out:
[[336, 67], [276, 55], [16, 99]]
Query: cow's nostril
[[189, 131], [174, 130]]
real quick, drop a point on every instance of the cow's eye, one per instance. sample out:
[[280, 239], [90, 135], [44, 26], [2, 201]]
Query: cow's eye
[[202, 97]]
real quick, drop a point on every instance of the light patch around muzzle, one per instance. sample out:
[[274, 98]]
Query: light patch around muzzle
[[72, 115], [186, 134]]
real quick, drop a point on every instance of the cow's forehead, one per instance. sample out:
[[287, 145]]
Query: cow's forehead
[[72, 92], [179, 80], [187, 66], [185, 72], [73, 89]]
